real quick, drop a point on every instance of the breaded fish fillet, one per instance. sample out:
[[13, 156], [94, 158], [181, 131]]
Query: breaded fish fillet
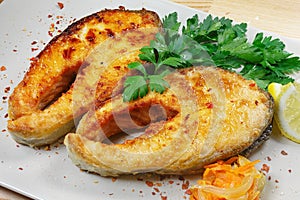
[[41, 107], [207, 114]]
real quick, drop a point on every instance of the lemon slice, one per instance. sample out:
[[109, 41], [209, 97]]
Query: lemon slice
[[287, 109]]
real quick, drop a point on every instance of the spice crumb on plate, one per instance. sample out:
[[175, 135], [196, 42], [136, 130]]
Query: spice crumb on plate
[[284, 153], [149, 183], [2, 68], [60, 5], [265, 168]]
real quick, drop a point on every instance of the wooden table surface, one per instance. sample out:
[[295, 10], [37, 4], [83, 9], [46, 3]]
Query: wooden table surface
[[278, 16]]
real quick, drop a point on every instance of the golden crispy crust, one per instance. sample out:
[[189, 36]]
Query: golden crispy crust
[[46, 92], [54, 68], [212, 114]]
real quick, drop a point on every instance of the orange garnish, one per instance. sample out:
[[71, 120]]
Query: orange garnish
[[236, 178]]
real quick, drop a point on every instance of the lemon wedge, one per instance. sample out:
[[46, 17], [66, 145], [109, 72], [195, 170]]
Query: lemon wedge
[[287, 109]]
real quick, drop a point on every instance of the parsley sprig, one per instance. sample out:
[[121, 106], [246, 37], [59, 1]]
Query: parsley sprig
[[139, 85], [213, 41]]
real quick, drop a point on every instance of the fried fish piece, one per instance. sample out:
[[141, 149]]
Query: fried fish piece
[[207, 114], [41, 107]]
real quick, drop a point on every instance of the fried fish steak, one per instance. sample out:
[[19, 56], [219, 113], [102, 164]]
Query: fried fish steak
[[206, 115], [41, 106]]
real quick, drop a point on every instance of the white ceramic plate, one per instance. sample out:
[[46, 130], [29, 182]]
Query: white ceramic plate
[[42, 174]]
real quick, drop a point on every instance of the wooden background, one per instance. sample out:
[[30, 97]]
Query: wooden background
[[278, 16]]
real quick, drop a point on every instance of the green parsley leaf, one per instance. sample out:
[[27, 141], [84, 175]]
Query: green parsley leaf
[[148, 54], [239, 48], [157, 83], [212, 41], [135, 86], [138, 66], [171, 22], [173, 62], [289, 65], [273, 50], [138, 86]]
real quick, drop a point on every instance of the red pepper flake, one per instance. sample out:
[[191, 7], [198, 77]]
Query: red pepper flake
[[2, 68], [68, 52], [276, 181], [149, 183], [34, 49], [290, 171], [164, 197], [15, 50], [171, 182], [265, 168], [20, 168], [60, 5], [156, 190], [209, 105], [33, 59], [7, 89], [121, 7], [185, 185], [284, 153], [49, 16], [256, 102], [17, 145], [118, 67], [33, 42], [113, 179], [188, 192], [158, 184], [52, 27], [252, 84], [50, 34], [269, 178], [3, 130], [269, 158], [6, 115]]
